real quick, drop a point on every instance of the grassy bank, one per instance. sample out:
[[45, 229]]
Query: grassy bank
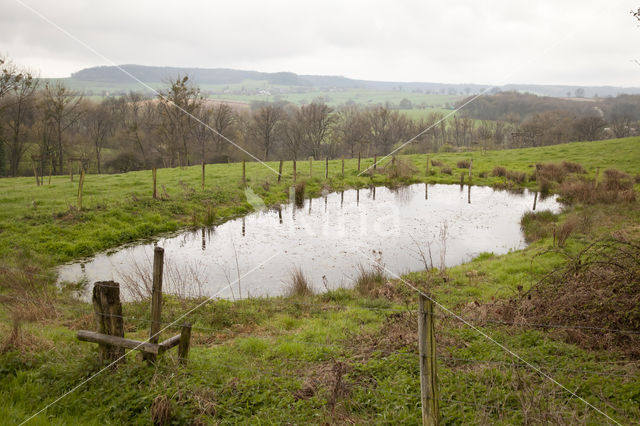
[[345, 356]]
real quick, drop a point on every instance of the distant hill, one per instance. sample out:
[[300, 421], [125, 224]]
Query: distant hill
[[112, 76]]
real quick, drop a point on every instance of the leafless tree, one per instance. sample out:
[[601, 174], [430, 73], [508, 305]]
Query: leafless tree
[[264, 127], [19, 115], [62, 109], [317, 120], [99, 123], [352, 128]]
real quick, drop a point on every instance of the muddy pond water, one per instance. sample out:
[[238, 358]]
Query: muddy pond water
[[327, 237]]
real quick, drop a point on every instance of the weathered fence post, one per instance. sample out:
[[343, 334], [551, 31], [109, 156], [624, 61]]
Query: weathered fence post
[[294, 170], [470, 170], [310, 167], [358, 160], [343, 166], [427, 168], [375, 161], [428, 369], [203, 166], [597, 176], [393, 160], [80, 185], [535, 200], [326, 167], [244, 172], [108, 312], [280, 171], [154, 173], [183, 346], [156, 299]]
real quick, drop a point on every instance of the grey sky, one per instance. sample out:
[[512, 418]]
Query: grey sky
[[470, 41]]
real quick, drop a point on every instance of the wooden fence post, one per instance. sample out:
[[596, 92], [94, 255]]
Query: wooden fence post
[[154, 173], [203, 165], [597, 176], [310, 167], [326, 167], [294, 170], [35, 172], [185, 341], [427, 168], [80, 185], [358, 160], [535, 201], [375, 161], [108, 313], [343, 166], [156, 299], [244, 172], [393, 160], [280, 171], [70, 171], [428, 369], [461, 178], [470, 170]]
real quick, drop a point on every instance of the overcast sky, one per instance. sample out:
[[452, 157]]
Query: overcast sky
[[491, 42]]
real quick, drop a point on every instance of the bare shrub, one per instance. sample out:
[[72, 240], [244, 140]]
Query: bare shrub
[[499, 171], [446, 170], [299, 285], [597, 290], [401, 168], [551, 171], [518, 177], [565, 230], [616, 180], [464, 164], [573, 167], [368, 280], [545, 186], [584, 191], [436, 163], [31, 294]]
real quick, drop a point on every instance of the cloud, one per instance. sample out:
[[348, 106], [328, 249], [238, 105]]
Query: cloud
[[569, 42]]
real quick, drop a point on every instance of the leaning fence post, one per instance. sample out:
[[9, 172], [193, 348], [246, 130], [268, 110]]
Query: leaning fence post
[[185, 342], [280, 171], [428, 369], [108, 312], [156, 298]]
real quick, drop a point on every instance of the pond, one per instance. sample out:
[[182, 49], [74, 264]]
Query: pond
[[327, 238]]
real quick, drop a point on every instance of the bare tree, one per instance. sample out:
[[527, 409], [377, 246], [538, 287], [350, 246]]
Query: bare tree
[[352, 128], [293, 131], [177, 106], [99, 123], [222, 120], [264, 125], [317, 119], [18, 114], [62, 109]]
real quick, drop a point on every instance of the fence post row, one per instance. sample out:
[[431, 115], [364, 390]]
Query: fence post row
[[428, 368]]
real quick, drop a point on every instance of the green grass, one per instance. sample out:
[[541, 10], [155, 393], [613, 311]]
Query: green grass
[[273, 360]]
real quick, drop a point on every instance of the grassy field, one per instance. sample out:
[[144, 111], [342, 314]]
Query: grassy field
[[345, 356]]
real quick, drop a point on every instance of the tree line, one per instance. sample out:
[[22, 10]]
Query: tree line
[[46, 127]]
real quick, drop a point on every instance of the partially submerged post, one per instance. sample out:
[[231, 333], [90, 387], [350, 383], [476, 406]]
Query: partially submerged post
[[428, 368], [535, 200]]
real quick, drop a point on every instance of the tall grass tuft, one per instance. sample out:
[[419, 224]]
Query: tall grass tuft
[[368, 280], [499, 171], [299, 286]]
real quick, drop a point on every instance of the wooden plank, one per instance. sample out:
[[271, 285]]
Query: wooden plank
[[170, 342], [428, 375], [121, 342], [108, 314]]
